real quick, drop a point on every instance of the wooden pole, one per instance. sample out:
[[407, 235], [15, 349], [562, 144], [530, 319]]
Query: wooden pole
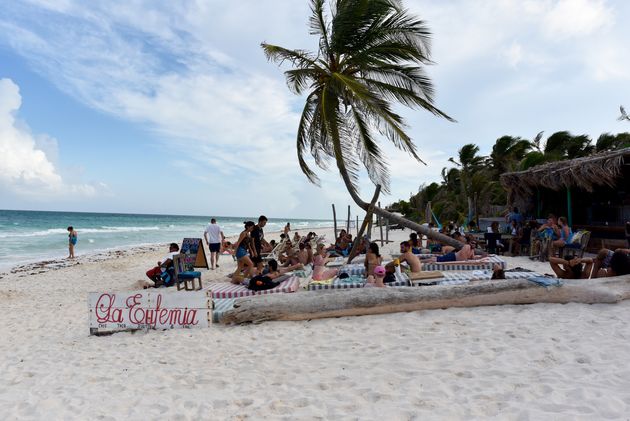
[[348, 221], [387, 231], [357, 225], [380, 225], [369, 228], [569, 208], [335, 221]]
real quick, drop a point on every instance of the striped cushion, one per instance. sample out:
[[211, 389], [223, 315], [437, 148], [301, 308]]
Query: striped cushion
[[457, 278], [466, 265], [220, 307], [227, 290], [353, 269], [316, 287]]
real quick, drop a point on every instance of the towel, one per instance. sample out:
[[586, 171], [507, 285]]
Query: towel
[[546, 282]]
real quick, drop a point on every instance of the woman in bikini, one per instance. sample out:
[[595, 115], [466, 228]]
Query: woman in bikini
[[320, 271], [243, 250]]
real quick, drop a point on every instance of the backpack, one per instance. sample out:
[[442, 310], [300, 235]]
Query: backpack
[[261, 283]]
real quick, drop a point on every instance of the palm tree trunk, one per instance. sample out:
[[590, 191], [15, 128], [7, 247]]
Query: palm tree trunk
[[444, 239]]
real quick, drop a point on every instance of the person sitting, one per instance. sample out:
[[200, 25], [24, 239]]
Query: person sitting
[[296, 237], [305, 254], [162, 274], [563, 233], [601, 263], [571, 268], [523, 237], [463, 254], [267, 280], [416, 245], [320, 271], [620, 263], [377, 277], [494, 229], [408, 257], [372, 258], [288, 255]]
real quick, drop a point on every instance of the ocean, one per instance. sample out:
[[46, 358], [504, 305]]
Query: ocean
[[30, 236]]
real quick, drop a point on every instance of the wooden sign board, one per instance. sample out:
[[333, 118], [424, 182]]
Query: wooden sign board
[[194, 253], [148, 309]]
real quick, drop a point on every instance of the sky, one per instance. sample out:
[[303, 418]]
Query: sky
[[171, 107]]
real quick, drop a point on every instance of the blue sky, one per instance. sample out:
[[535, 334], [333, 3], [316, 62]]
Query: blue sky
[[171, 107]]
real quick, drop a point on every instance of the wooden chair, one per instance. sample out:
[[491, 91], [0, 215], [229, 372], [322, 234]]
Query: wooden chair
[[576, 248], [185, 277]]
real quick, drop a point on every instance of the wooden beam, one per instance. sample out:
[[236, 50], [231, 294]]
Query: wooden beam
[[357, 302], [335, 221]]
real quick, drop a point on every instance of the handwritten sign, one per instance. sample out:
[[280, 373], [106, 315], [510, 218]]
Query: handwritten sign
[[194, 253], [148, 309]]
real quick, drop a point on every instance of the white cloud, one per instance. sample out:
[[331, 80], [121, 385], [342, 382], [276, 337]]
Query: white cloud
[[26, 167], [514, 54], [576, 18]]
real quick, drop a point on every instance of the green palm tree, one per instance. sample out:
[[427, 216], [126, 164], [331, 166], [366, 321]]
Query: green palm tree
[[507, 153], [469, 164], [371, 55]]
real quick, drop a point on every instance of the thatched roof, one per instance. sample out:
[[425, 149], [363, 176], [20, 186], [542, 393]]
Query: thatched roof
[[586, 173]]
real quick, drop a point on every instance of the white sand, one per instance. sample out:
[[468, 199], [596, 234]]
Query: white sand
[[542, 361]]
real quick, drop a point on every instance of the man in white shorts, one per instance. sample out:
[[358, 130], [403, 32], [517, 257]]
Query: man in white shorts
[[214, 237]]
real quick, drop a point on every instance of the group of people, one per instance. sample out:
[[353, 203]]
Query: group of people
[[298, 253]]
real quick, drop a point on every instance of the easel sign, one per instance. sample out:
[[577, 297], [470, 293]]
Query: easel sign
[[194, 253]]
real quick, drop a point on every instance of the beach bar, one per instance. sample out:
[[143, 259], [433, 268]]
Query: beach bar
[[592, 192]]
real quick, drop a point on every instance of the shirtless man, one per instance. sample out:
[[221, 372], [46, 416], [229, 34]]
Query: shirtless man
[[406, 256], [305, 255], [465, 253]]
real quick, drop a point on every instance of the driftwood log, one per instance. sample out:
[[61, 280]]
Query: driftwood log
[[363, 301]]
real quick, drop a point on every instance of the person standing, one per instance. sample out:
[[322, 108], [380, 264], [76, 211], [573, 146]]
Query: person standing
[[72, 241], [258, 237], [214, 237]]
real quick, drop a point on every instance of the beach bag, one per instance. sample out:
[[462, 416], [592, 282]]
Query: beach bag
[[167, 277], [261, 283]]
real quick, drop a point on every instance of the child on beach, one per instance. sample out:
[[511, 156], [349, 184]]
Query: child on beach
[[376, 280], [72, 241]]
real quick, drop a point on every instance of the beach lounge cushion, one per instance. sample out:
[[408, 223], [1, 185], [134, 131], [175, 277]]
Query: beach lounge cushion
[[487, 263], [228, 290]]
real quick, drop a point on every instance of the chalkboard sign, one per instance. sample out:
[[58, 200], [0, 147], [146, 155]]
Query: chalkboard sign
[[194, 253]]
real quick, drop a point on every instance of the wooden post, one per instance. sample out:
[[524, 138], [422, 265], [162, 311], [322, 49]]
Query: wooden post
[[569, 208], [367, 221], [387, 231], [348, 221], [357, 225], [380, 225], [335, 221]]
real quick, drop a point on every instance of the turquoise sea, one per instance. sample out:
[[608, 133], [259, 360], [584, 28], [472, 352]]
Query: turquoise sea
[[29, 236]]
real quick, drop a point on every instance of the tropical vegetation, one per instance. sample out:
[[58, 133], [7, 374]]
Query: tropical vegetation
[[471, 186]]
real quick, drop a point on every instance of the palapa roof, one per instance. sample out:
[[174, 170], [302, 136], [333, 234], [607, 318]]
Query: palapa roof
[[602, 169]]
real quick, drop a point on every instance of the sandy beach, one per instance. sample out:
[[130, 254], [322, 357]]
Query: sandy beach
[[542, 361]]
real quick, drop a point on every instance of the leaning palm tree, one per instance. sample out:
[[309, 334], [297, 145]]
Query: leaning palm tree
[[371, 54]]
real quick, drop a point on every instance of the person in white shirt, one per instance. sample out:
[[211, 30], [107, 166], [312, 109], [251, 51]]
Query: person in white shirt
[[214, 237], [155, 274]]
